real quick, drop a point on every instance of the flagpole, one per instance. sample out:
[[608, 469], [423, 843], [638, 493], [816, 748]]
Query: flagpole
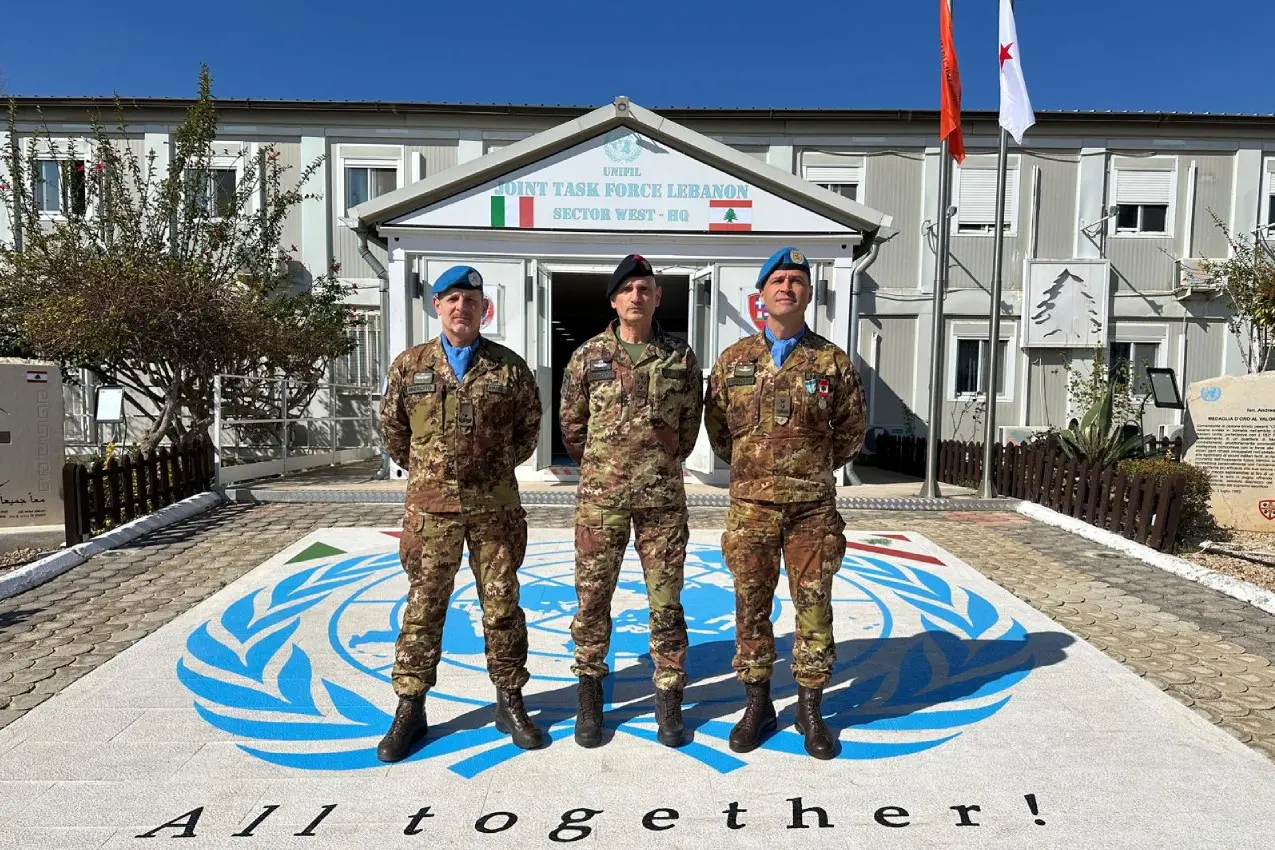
[[930, 488], [991, 359]]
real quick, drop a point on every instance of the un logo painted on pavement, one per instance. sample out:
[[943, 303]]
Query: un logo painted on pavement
[[298, 671]]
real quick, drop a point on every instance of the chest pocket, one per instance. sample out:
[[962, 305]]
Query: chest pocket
[[671, 391], [744, 391], [425, 404]]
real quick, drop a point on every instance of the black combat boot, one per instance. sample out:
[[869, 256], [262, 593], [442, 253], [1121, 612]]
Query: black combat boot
[[819, 741], [668, 713], [758, 719], [409, 726], [589, 716], [512, 719]]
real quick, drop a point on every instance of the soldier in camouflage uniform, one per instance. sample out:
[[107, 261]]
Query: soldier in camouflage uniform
[[459, 413], [785, 408], [632, 398]]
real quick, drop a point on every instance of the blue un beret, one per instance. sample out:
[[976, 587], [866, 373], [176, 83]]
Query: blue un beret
[[784, 258], [464, 277]]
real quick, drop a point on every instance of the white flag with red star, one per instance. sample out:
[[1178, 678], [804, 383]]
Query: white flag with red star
[[1016, 106]]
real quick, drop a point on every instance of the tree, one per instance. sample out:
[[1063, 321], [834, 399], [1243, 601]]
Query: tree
[[1247, 277], [730, 214], [160, 277]]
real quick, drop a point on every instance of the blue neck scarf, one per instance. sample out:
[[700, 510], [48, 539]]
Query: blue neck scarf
[[781, 348], [459, 358]]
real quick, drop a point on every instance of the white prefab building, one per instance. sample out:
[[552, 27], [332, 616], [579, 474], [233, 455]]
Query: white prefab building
[[1108, 217], [546, 220]]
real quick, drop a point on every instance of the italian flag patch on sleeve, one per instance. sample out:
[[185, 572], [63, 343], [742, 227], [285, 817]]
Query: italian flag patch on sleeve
[[730, 215]]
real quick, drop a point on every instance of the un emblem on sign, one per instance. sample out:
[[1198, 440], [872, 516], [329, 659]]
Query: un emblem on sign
[[622, 146], [1211, 394], [298, 671]]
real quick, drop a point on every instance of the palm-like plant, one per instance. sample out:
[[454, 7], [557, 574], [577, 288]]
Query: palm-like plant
[[1097, 438]]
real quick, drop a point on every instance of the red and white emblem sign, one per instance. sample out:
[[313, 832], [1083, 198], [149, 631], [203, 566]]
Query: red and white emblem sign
[[1267, 508], [489, 313], [757, 310]]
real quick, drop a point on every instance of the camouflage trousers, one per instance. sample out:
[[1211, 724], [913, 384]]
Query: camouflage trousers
[[430, 549], [602, 535], [811, 539]]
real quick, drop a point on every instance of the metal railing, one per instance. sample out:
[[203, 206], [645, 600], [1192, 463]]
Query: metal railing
[[307, 426]]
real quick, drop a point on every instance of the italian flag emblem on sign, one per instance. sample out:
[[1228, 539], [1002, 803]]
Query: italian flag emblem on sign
[[730, 215], [513, 212]]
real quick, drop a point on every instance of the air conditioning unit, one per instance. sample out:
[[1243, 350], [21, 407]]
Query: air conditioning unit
[[1193, 280]]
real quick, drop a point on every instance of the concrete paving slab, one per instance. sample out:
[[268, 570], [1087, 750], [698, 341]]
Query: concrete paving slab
[[258, 712]]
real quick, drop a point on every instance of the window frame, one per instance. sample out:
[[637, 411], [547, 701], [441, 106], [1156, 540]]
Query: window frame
[[827, 176], [1133, 340], [970, 333], [1170, 213], [1267, 212], [393, 158], [64, 151], [226, 162], [365, 356], [1013, 209]]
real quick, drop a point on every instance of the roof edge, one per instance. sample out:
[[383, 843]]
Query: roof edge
[[620, 112]]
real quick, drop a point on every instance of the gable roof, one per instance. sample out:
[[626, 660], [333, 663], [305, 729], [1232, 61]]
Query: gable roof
[[620, 113]]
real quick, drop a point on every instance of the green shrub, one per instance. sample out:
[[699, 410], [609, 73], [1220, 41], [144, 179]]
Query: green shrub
[[1196, 521]]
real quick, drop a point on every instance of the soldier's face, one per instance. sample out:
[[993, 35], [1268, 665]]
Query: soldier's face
[[636, 299], [460, 310], [786, 292]]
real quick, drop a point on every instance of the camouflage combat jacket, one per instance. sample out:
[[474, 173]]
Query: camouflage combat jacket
[[460, 440], [631, 425], [784, 431]]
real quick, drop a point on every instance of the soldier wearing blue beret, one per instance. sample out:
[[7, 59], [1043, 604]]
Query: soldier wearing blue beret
[[785, 408], [460, 413]]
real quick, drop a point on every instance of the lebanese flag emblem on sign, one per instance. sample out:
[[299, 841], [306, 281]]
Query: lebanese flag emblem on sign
[[730, 216]]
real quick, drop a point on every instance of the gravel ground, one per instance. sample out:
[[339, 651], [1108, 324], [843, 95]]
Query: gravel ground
[[18, 557], [1258, 574]]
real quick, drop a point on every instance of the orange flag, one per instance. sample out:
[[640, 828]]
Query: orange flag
[[950, 118]]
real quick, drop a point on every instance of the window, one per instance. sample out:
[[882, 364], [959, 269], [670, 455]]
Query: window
[[975, 193], [845, 190], [365, 182], [842, 179], [217, 197], [361, 365], [971, 379], [60, 186], [1143, 197], [1136, 357]]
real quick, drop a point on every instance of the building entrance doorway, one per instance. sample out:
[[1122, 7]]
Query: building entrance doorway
[[580, 310]]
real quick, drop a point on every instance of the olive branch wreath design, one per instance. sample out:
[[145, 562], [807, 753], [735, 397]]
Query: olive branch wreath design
[[261, 686]]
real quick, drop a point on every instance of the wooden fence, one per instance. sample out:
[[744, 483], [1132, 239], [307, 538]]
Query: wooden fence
[[100, 496], [1141, 508]]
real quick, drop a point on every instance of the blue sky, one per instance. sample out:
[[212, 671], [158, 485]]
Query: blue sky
[[1082, 54]]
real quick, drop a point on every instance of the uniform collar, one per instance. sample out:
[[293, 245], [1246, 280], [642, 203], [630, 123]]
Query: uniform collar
[[799, 343], [659, 341]]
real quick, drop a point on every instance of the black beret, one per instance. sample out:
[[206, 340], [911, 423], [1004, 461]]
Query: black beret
[[634, 265]]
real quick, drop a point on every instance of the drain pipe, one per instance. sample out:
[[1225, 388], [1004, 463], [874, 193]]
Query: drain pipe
[[383, 355], [856, 288]]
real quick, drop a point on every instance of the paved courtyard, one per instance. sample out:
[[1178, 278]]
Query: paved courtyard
[[1209, 653]]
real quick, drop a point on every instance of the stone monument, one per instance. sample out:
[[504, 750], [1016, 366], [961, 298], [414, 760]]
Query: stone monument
[[1230, 433], [31, 453]]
